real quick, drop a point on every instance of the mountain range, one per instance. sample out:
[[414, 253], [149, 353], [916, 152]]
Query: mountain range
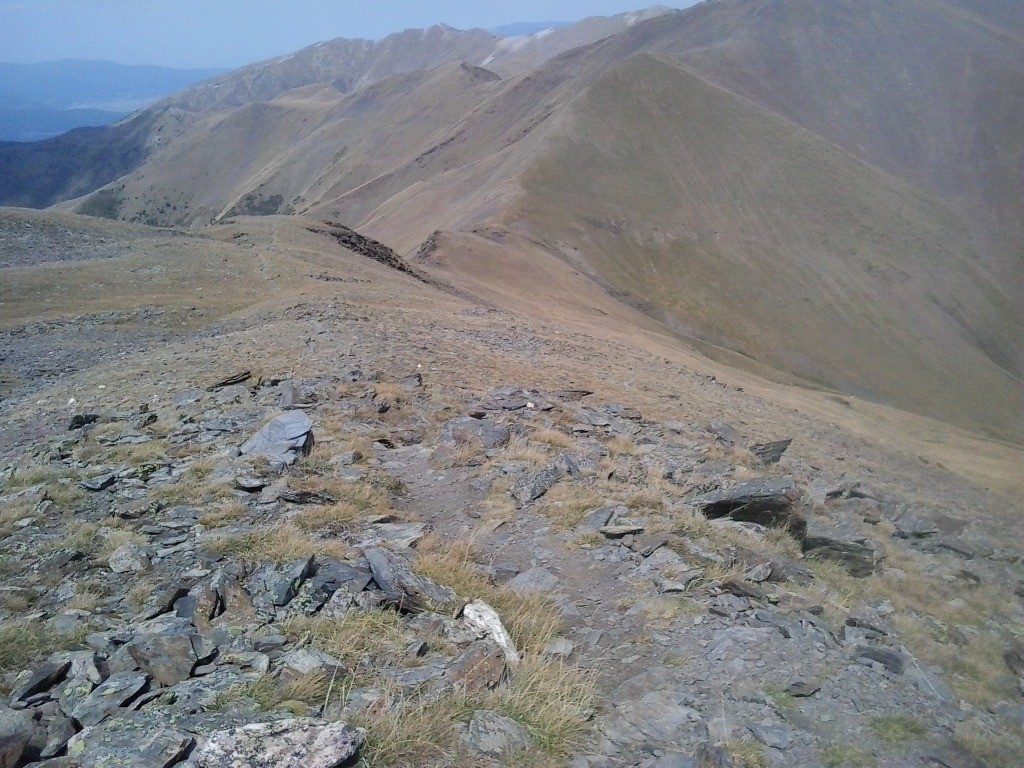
[[826, 193]]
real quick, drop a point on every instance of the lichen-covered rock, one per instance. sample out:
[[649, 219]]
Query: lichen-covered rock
[[295, 743], [136, 739]]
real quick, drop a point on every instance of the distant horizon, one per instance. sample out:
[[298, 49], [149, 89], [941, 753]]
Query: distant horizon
[[232, 34]]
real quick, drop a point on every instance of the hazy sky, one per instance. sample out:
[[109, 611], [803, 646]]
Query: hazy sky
[[230, 33]]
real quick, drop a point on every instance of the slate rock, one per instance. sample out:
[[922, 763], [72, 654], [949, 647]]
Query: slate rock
[[803, 687], [131, 739], [78, 421], [401, 535], [596, 520], [114, 692], [480, 667], [892, 660], [771, 453], [772, 736], [658, 719], [293, 577], [42, 678], [532, 486], [162, 600], [333, 575], [283, 439], [405, 589], [910, 526], [678, 582], [768, 502], [74, 692], [129, 558], [291, 743], [99, 482], [16, 731], [621, 530], [466, 429], [561, 648], [855, 553], [235, 378], [169, 658], [59, 731], [309, 661], [494, 735], [534, 581], [724, 432], [250, 484], [275, 586]]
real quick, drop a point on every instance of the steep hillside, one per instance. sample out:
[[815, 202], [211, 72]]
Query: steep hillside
[[38, 174], [932, 92], [743, 229]]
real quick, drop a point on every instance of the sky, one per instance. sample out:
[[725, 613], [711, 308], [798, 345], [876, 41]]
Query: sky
[[231, 33]]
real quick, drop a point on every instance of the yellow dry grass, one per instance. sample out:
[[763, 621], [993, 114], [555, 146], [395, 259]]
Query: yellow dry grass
[[282, 543]]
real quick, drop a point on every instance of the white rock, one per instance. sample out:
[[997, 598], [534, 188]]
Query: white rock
[[480, 616]]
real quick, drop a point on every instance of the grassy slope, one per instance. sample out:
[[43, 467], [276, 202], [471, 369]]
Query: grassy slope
[[746, 230]]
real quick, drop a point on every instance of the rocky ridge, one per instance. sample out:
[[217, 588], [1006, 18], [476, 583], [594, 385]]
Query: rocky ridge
[[285, 566]]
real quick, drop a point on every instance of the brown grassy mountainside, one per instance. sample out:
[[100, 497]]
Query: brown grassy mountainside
[[831, 190]]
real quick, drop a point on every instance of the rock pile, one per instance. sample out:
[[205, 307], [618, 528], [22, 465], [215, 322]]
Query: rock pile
[[222, 579]]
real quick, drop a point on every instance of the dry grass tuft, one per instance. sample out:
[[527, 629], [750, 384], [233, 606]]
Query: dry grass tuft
[[153, 452], [847, 756], [334, 517], [995, 750], [411, 731], [552, 700], [358, 636], [281, 544], [140, 592], [24, 643], [393, 394], [269, 693], [649, 499], [89, 595], [224, 513], [519, 448], [26, 478], [552, 437], [746, 753], [620, 446], [897, 730], [567, 504], [533, 621]]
